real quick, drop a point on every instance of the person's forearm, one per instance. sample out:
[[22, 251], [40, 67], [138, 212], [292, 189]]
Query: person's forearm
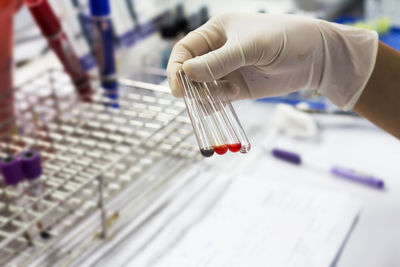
[[380, 101]]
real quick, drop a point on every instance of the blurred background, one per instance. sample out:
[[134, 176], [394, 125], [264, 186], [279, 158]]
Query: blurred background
[[130, 16], [127, 186], [145, 32]]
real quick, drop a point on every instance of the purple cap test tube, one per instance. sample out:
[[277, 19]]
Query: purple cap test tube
[[31, 164], [11, 169]]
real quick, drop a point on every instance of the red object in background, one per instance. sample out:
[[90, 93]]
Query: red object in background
[[7, 10], [51, 28], [63, 49]]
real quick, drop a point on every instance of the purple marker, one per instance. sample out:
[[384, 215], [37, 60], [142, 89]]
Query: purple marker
[[341, 172]]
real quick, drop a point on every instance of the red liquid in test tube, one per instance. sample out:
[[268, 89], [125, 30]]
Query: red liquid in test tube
[[213, 118], [221, 150], [7, 10], [235, 147], [51, 28]]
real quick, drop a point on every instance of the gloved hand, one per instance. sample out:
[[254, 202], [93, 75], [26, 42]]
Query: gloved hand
[[268, 55]]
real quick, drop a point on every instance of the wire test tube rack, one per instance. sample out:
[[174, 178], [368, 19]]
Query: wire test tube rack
[[101, 165]]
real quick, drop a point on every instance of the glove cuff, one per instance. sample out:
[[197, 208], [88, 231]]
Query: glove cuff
[[349, 60]]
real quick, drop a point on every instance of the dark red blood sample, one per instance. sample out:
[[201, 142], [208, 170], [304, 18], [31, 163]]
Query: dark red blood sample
[[235, 147], [220, 150]]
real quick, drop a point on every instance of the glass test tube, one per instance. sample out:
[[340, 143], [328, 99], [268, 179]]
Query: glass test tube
[[221, 97], [215, 119], [206, 148], [210, 122], [225, 122]]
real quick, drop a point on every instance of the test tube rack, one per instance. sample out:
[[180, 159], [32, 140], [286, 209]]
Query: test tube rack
[[101, 165]]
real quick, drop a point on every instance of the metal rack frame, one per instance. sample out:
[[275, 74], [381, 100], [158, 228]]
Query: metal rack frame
[[96, 160]]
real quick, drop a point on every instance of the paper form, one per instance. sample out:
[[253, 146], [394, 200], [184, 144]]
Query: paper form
[[248, 221]]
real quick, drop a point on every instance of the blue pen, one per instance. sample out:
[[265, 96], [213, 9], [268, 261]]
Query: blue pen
[[104, 46], [337, 171]]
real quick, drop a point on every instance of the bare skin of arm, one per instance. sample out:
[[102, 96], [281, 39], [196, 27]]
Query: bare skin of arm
[[380, 101]]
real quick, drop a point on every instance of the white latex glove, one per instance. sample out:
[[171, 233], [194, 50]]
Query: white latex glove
[[268, 55]]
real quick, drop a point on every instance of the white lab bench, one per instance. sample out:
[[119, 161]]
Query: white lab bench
[[375, 240], [352, 142], [346, 141]]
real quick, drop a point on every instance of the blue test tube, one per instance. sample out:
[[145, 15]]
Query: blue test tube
[[103, 40]]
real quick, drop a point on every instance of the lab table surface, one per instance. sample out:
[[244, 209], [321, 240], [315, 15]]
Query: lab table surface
[[344, 141], [355, 143]]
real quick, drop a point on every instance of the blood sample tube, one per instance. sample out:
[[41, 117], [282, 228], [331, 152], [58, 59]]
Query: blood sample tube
[[7, 10], [198, 123], [51, 28], [219, 111], [220, 96], [215, 122], [215, 113], [206, 115]]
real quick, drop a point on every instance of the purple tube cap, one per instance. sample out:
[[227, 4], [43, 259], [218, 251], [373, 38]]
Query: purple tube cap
[[11, 169], [31, 164]]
